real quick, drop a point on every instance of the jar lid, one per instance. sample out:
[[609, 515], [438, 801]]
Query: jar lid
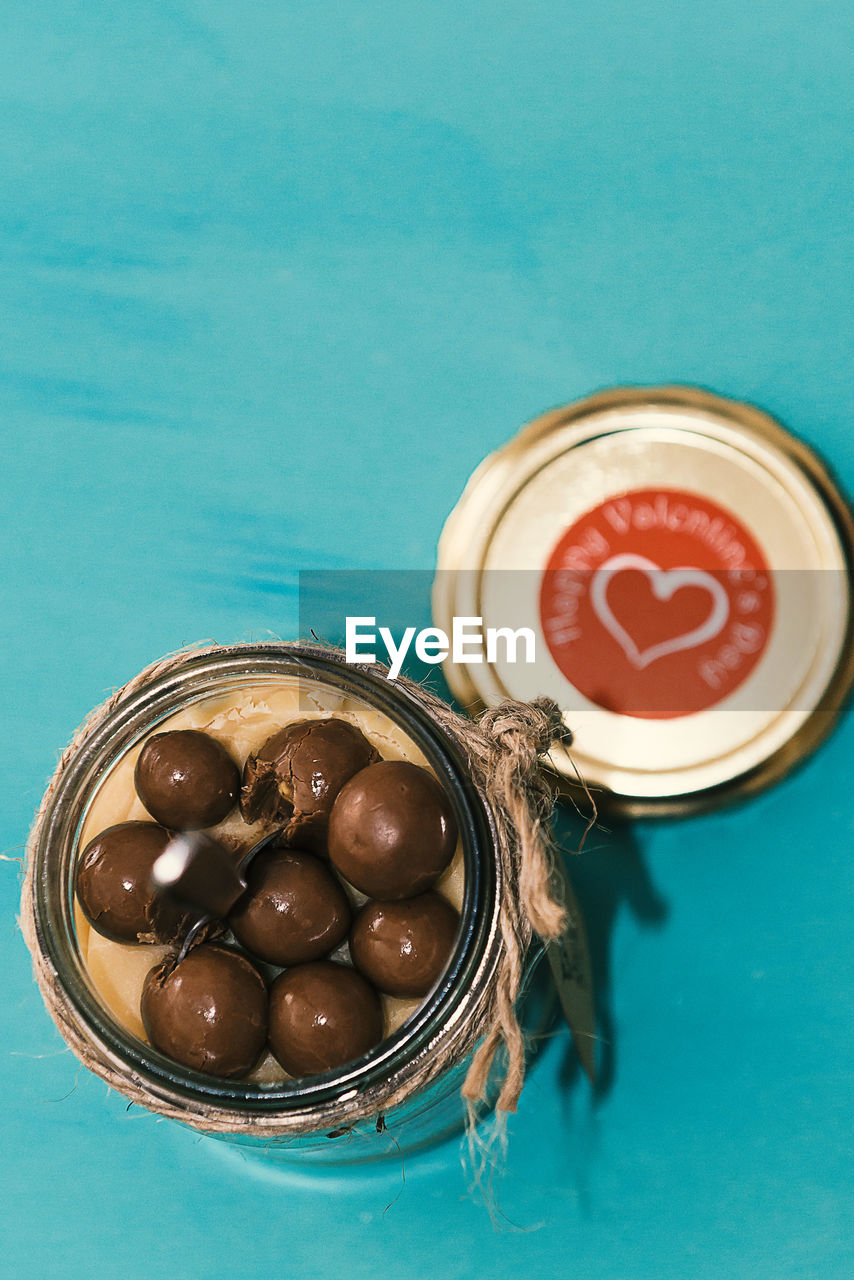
[[683, 563]]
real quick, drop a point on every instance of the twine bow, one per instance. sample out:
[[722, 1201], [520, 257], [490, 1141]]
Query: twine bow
[[515, 736]]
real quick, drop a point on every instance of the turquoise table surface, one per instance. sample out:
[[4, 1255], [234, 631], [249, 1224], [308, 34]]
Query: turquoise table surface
[[275, 277]]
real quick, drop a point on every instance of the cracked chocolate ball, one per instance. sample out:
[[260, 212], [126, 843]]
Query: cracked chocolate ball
[[392, 831], [404, 947], [186, 779], [322, 1015], [294, 779], [209, 1012], [114, 885], [294, 908]]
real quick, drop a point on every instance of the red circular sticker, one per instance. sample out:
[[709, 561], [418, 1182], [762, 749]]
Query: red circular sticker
[[657, 604]]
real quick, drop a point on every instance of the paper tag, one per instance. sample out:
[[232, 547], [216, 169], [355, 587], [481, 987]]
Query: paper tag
[[569, 959]]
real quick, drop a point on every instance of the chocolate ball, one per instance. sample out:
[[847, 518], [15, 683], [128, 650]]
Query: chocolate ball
[[392, 830], [404, 947], [295, 777], [186, 779], [114, 885], [209, 1012], [322, 1015], [294, 908]]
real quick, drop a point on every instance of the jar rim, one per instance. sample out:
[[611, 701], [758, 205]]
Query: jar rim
[[151, 698]]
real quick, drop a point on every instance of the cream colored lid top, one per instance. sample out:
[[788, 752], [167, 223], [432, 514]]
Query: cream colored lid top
[[683, 563]]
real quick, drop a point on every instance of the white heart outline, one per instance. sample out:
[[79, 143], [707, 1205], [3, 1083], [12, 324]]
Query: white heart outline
[[665, 583]]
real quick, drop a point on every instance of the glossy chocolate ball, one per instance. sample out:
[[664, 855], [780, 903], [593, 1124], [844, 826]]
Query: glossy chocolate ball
[[186, 779], [295, 777], [294, 909], [209, 1012], [114, 886], [392, 830], [322, 1015], [404, 947]]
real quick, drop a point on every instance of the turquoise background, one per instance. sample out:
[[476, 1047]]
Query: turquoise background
[[275, 277]]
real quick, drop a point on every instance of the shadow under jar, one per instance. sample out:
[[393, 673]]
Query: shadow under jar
[[401, 1095]]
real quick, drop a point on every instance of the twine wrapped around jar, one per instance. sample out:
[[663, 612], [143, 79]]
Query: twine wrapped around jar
[[503, 751]]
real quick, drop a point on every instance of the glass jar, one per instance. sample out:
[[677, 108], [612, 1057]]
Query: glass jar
[[350, 1114]]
